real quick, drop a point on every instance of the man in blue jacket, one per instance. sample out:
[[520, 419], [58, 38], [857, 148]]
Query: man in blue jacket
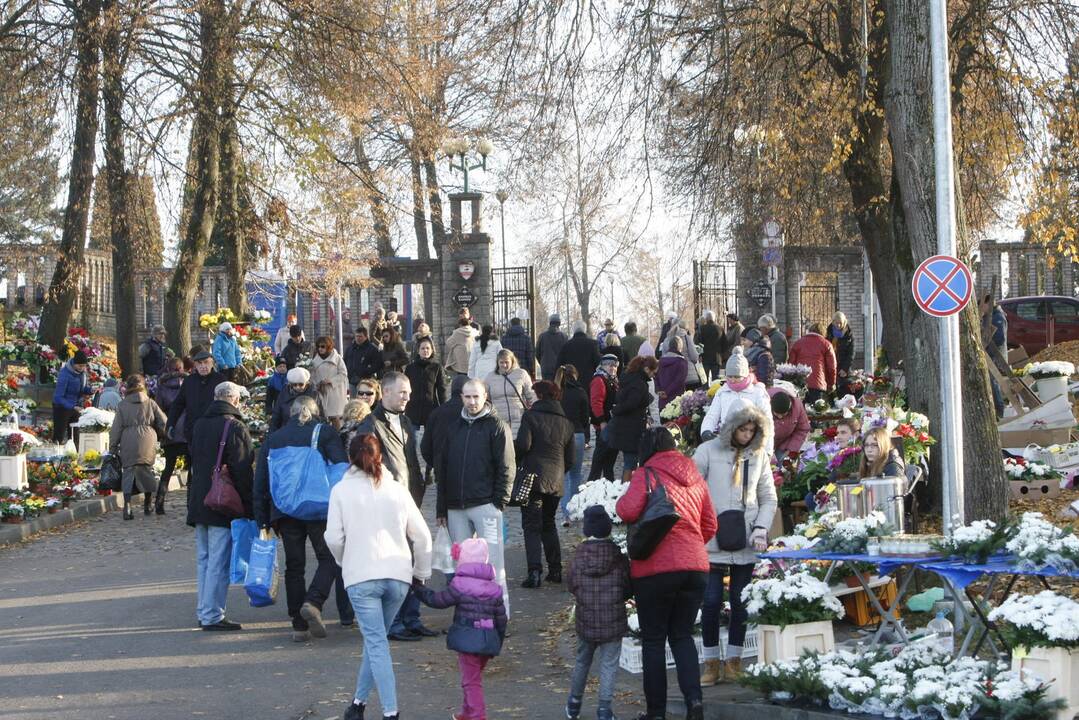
[[517, 339], [71, 388], [226, 351]]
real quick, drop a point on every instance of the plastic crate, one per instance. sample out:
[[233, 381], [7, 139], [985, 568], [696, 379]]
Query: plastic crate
[[631, 660]]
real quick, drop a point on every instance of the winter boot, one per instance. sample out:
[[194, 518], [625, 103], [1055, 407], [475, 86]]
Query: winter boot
[[695, 711], [147, 499], [535, 579], [713, 673], [128, 514], [732, 669], [159, 501], [554, 574], [354, 711]]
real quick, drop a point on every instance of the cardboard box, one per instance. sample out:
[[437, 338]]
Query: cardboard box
[[1045, 437], [1018, 357]]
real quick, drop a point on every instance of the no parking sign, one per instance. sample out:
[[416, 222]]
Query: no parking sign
[[942, 285]]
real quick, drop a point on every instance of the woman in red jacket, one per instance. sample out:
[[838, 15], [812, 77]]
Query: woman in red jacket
[[669, 585]]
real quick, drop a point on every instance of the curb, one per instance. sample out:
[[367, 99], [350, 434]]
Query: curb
[[752, 709], [81, 510]]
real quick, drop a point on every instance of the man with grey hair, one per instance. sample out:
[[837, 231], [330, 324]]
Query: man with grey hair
[[154, 353], [476, 464], [581, 352], [304, 601], [400, 455], [218, 436], [768, 326]]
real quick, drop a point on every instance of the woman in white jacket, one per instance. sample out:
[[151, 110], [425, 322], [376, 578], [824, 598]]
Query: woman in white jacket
[[330, 378], [372, 519], [509, 388], [484, 358], [738, 471], [740, 388]]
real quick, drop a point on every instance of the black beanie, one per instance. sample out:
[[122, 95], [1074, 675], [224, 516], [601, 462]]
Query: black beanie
[[656, 440], [597, 523], [79, 358]]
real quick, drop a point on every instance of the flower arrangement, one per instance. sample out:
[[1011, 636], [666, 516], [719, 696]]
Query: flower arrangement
[[92, 458], [1017, 468], [849, 535], [846, 461], [687, 412], [598, 492], [95, 420], [916, 443], [13, 444], [919, 682], [794, 374], [1036, 543], [1042, 620], [210, 321], [260, 316], [975, 542], [797, 598], [1049, 369]]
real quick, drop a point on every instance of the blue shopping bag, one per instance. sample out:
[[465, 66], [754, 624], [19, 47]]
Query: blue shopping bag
[[301, 479], [261, 581], [243, 532]]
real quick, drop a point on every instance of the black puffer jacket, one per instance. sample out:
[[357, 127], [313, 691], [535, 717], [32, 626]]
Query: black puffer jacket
[[844, 348], [575, 406], [475, 462], [293, 351], [428, 389], [629, 416], [293, 434], [362, 360], [598, 579], [438, 424], [545, 445], [238, 456], [581, 352], [282, 407], [196, 395]]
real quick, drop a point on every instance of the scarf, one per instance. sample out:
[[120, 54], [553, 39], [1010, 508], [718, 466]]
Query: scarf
[[739, 384]]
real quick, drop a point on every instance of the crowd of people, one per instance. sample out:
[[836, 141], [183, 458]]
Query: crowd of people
[[496, 413]]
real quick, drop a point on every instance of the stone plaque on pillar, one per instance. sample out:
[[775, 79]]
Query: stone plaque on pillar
[[466, 266]]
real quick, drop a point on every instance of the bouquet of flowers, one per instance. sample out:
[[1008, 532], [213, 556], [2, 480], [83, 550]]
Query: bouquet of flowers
[[845, 462], [687, 412], [794, 374], [1049, 369], [976, 542], [1037, 543], [797, 598], [1017, 468], [259, 316], [13, 444], [94, 419], [1042, 620], [916, 443], [598, 492], [849, 535], [210, 321]]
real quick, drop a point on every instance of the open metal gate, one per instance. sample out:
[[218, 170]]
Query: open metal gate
[[715, 287], [514, 289]]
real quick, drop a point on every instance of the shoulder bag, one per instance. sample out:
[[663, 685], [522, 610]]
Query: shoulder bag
[[731, 533], [223, 497], [659, 516]]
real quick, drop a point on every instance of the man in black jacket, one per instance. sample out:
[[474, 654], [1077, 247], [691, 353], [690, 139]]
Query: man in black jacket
[[476, 464], [549, 345], [397, 435], [296, 347], [196, 394], [362, 359], [299, 385], [213, 536], [581, 352], [304, 602], [439, 422]]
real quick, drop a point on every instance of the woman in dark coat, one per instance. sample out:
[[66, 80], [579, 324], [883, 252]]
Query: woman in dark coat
[[135, 431], [575, 406], [842, 340], [428, 383], [759, 356], [545, 447], [629, 417], [394, 355]]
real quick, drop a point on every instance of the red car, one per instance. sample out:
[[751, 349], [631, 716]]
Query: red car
[[1041, 321]]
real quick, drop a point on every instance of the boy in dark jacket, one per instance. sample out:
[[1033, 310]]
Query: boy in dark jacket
[[479, 620], [599, 581]]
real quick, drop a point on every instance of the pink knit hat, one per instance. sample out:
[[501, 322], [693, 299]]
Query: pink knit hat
[[473, 550]]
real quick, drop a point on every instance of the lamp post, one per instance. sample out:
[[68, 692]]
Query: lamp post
[[502, 196], [459, 147]]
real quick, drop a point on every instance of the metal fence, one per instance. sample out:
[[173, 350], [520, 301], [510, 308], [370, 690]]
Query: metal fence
[[715, 287], [514, 289], [818, 303]]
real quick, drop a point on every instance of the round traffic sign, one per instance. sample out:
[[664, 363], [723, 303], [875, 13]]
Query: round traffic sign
[[942, 285], [772, 229]]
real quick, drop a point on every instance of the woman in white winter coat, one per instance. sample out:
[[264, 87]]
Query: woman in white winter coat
[[741, 387], [330, 378], [738, 471], [509, 389], [484, 358]]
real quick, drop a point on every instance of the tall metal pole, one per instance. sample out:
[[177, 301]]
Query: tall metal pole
[[869, 295], [951, 398], [502, 196]]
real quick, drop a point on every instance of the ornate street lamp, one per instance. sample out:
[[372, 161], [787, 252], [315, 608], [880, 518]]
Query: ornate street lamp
[[460, 147]]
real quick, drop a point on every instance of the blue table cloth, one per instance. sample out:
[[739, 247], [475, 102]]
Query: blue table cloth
[[886, 563], [962, 574]]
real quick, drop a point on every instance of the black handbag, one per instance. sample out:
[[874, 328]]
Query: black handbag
[[731, 533], [523, 482], [659, 516], [112, 473]]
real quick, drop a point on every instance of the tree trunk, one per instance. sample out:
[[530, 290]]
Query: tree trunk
[[64, 287], [419, 212], [375, 199], [205, 135], [908, 108], [230, 216], [434, 199], [117, 178]]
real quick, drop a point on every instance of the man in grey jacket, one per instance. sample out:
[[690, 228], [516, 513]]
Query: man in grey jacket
[[548, 346]]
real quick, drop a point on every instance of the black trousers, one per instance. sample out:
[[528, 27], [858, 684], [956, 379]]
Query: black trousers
[[541, 531], [667, 606], [813, 396], [61, 418], [603, 459], [294, 536]]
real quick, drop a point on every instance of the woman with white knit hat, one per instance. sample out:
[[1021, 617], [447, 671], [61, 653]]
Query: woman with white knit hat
[[740, 387]]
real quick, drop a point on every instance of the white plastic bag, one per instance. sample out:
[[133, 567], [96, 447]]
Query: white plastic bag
[[441, 553]]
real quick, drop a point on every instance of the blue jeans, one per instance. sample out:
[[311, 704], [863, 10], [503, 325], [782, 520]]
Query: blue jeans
[[572, 480], [213, 551], [629, 461], [376, 602]]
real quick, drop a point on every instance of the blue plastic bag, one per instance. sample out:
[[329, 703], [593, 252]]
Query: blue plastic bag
[[261, 581], [243, 532], [301, 480]]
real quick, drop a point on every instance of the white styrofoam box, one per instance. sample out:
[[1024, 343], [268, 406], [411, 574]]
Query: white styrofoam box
[[13, 472], [1059, 667], [631, 660], [787, 643], [93, 441]]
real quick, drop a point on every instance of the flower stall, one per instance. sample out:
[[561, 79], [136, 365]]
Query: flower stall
[[94, 425], [793, 614]]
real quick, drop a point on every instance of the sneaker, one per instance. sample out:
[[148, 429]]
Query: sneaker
[[299, 636], [354, 711], [573, 708], [604, 712], [222, 625], [313, 616]]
